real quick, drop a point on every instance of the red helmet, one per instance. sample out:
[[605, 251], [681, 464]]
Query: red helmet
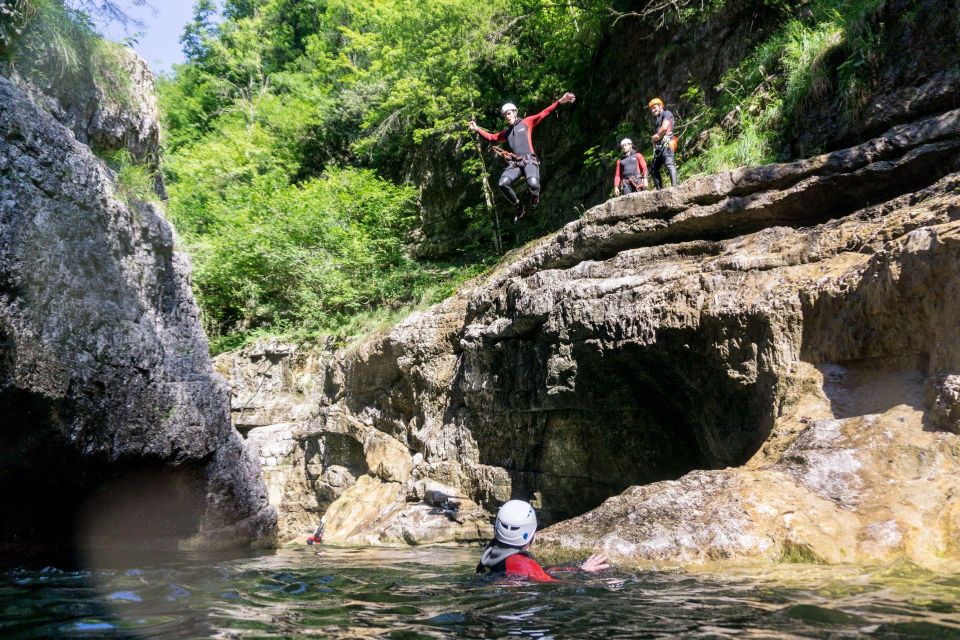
[[657, 101]]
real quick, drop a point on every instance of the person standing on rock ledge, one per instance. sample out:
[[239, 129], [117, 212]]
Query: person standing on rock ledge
[[664, 143], [631, 174], [521, 159], [507, 554]]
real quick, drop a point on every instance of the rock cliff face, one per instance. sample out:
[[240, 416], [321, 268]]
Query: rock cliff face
[[758, 365], [113, 426], [104, 118]]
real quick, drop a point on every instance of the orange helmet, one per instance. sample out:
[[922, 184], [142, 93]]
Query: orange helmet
[[655, 101]]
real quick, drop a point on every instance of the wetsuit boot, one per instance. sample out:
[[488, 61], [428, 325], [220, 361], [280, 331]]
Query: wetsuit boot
[[521, 211]]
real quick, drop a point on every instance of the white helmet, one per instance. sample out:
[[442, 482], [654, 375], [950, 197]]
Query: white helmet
[[516, 523], [507, 107], [626, 141]]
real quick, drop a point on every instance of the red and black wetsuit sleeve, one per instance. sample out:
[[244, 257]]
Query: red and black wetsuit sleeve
[[492, 137], [520, 138], [616, 176], [534, 120], [641, 165], [524, 566]]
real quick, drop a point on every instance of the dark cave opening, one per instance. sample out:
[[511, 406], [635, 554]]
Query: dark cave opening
[[636, 414], [56, 500]]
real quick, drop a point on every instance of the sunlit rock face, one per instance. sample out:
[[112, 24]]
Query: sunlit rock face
[[748, 363], [861, 462], [347, 459], [113, 427]]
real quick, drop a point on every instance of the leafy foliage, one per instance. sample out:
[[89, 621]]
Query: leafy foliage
[[308, 255], [838, 43], [57, 47], [291, 130], [296, 128], [48, 40], [134, 181]]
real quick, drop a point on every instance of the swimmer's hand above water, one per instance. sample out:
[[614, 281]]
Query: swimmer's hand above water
[[596, 562]]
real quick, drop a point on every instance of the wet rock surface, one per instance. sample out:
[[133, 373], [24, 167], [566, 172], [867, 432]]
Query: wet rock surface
[[760, 365], [113, 426]]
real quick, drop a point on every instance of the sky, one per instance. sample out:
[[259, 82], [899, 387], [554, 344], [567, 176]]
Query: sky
[[159, 40]]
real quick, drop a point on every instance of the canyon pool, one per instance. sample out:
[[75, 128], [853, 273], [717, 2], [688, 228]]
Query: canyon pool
[[433, 593]]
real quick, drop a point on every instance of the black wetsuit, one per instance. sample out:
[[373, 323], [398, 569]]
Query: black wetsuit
[[663, 151], [519, 138], [631, 168], [500, 558]]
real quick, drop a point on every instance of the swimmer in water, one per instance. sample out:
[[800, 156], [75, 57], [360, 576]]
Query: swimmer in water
[[507, 553]]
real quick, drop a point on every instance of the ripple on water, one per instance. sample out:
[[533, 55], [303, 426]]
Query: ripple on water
[[432, 593]]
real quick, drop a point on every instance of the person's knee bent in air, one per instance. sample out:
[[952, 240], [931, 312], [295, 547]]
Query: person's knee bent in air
[[519, 138], [510, 174], [631, 172], [507, 553]]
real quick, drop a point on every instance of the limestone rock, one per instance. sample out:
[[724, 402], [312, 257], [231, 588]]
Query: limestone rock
[[103, 118], [374, 512], [112, 422], [387, 457], [746, 362], [858, 490], [270, 383], [308, 459]]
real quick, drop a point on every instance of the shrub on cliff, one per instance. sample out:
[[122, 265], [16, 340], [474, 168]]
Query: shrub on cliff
[[55, 44], [302, 258], [830, 52], [277, 93]]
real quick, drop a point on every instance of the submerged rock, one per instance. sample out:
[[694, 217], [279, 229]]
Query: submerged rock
[[113, 426]]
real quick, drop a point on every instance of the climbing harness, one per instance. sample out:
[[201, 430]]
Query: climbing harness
[[667, 140], [513, 159], [635, 182]]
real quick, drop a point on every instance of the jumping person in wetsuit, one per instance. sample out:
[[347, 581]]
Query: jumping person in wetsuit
[[663, 143], [507, 553], [519, 137], [631, 172]]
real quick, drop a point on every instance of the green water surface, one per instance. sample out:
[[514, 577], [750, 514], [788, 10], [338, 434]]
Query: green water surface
[[433, 593]]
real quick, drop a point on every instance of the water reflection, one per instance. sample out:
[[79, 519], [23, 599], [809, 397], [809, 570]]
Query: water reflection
[[431, 593]]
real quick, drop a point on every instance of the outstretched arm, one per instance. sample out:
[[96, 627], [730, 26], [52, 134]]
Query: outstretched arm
[[486, 135], [596, 562], [526, 567], [564, 99]]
